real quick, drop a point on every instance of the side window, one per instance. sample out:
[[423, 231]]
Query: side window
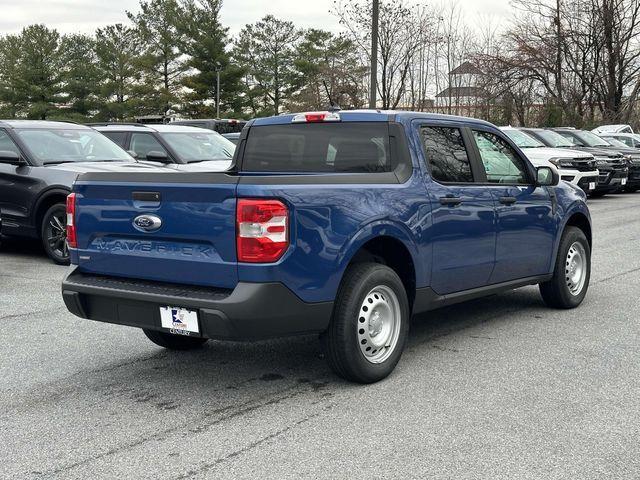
[[446, 154], [119, 138], [501, 162], [6, 144], [143, 143]]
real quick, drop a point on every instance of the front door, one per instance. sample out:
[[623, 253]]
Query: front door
[[525, 213], [463, 232], [15, 187]]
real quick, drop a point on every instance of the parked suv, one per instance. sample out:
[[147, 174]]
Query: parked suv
[[176, 146], [631, 140], [591, 140], [220, 125], [39, 161], [625, 143], [337, 223], [578, 168], [612, 166]]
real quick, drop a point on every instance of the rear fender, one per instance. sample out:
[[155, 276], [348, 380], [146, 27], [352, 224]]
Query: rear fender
[[386, 228]]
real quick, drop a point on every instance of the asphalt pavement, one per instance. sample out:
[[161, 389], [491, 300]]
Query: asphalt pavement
[[498, 388]]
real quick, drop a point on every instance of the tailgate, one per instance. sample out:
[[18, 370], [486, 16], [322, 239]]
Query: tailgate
[[168, 227]]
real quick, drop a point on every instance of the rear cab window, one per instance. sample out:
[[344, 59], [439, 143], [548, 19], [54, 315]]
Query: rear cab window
[[345, 147], [446, 154]]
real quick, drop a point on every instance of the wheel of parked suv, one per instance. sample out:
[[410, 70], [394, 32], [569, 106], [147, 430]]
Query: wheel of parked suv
[[174, 342], [572, 272], [370, 324], [631, 189], [54, 234]]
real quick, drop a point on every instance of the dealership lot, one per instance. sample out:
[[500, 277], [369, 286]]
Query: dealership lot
[[496, 388]]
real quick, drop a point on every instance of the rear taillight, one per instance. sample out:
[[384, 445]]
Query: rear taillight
[[72, 239], [262, 230]]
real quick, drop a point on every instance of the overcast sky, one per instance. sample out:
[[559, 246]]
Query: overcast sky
[[70, 16]]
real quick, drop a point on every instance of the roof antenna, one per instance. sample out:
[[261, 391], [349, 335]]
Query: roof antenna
[[333, 107]]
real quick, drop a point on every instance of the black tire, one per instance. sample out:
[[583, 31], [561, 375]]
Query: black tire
[[54, 235], [174, 342], [631, 189], [556, 292], [342, 339]]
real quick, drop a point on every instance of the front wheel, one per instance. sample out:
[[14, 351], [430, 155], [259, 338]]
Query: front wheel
[[174, 342], [568, 286], [53, 232], [370, 324]]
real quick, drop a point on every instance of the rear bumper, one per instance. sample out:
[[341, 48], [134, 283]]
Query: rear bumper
[[251, 311]]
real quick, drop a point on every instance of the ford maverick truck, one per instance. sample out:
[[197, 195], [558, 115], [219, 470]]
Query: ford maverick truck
[[342, 224]]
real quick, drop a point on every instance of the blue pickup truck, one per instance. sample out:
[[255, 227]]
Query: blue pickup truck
[[343, 224]]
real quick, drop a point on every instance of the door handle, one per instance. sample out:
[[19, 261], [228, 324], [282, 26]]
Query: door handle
[[450, 201], [508, 200]]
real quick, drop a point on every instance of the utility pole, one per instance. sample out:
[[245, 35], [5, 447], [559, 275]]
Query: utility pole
[[374, 54], [218, 68]]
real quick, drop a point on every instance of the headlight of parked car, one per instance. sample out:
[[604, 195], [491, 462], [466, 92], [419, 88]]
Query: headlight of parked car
[[561, 162]]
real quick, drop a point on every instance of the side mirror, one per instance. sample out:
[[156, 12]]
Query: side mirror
[[11, 158], [547, 177], [157, 156]]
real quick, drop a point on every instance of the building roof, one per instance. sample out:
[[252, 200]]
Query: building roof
[[465, 68], [457, 92]]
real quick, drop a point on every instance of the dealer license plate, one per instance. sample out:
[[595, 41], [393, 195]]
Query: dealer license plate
[[179, 320]]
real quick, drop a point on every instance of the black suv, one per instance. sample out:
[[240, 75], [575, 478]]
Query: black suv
[[220, 125], [633, 156], [39, 161], [176, 146], [612, 165]]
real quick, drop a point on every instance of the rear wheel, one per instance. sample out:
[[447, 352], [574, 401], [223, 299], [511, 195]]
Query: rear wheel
[[370, 324], [572, 272], [174, 342], [53, 232]]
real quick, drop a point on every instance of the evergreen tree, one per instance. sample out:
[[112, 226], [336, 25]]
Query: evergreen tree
[[161, 60], [118, 52], [80, 74], [204, 42], [11, 103], [38, 71], [266, 51]]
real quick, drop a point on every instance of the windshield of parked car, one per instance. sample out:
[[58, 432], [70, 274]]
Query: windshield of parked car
[[65, 146], [590, 139], [554, 139], [614, 142], [202, 146], [523, 140]]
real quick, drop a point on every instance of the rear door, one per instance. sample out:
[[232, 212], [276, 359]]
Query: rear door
[[464, 219], [525, 213], [167, 227]]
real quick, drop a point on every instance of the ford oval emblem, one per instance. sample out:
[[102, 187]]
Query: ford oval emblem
[[147, 223]]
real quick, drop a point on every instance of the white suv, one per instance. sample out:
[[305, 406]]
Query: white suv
[[578, 168]]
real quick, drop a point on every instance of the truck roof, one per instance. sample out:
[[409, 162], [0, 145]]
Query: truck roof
[[374, 116]]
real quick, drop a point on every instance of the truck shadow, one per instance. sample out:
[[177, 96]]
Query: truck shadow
[[26, 247]]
